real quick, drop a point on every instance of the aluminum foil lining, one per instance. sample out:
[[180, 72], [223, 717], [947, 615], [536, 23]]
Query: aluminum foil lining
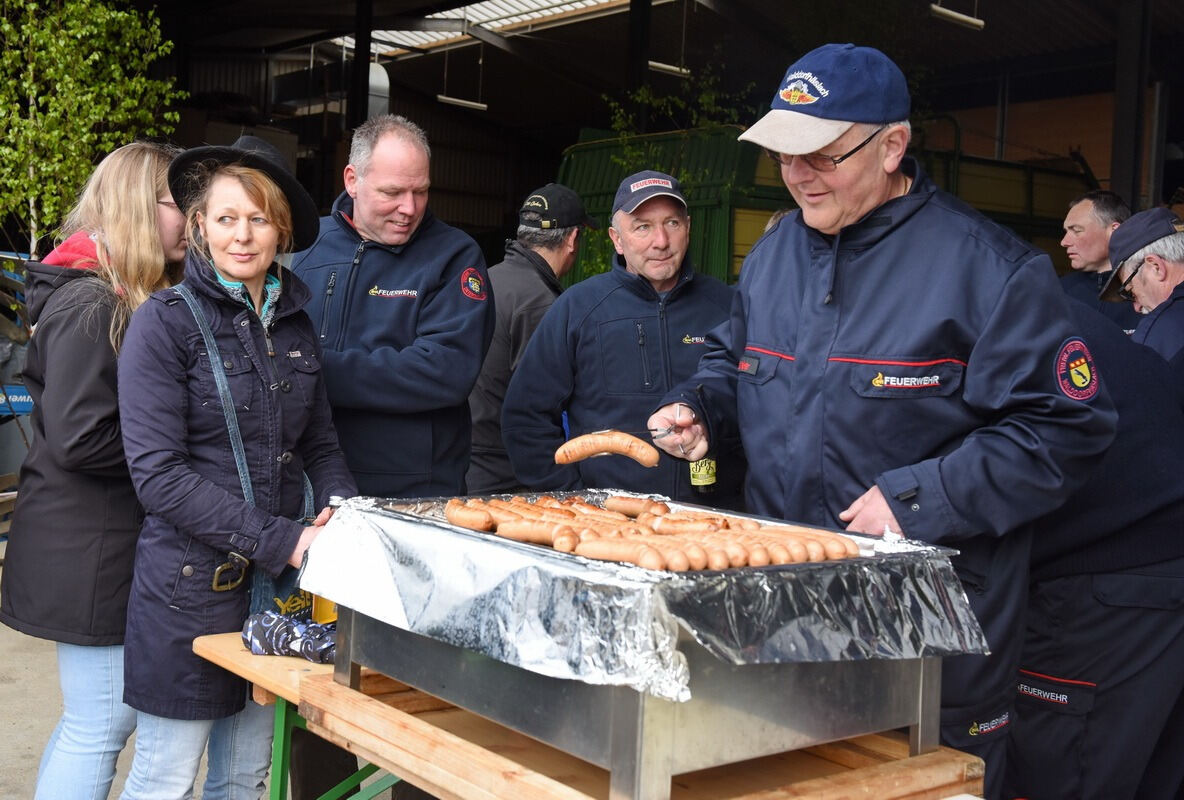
[[604, 623]]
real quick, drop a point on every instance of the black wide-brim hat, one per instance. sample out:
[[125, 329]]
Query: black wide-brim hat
[[186, 181]]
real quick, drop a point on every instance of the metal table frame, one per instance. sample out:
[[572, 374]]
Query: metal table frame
[[736, 712]]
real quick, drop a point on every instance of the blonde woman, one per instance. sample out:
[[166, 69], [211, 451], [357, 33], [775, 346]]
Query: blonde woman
[[68, 566]]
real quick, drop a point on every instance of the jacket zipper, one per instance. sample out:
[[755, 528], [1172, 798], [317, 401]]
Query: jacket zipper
[[645, 362], [351, 279], [275, 405], [328, 299], [677, 473], [664, 347]]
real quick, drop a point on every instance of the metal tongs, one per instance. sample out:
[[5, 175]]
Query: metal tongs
[[658, 433]]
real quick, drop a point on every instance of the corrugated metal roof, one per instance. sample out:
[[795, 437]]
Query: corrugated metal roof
[[495, 15]]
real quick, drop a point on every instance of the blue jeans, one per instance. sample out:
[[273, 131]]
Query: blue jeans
[[168, 753], [79, 759]]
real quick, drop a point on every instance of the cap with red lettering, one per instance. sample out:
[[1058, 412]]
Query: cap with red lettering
[[638, 188]]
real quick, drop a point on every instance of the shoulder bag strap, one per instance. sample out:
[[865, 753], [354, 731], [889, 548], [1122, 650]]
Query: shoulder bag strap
[[236, 438]]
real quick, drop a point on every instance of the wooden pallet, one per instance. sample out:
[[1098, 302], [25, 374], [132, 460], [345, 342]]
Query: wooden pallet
[[458, 755]]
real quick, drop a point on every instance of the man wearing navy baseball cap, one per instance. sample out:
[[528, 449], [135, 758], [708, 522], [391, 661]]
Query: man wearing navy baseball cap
[[901, 364], [613, 345], [1147, 252]]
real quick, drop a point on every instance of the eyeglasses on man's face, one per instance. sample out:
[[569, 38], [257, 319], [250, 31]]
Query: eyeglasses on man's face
[[821, 162], [1124, 291]]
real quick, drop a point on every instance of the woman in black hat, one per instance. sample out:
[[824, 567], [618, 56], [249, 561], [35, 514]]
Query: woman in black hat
[[219, 425]]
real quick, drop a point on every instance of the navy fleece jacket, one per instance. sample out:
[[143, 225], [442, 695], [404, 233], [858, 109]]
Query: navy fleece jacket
[[404, 331]]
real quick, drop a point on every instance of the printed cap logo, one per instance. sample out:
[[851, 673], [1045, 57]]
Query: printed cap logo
[[472, 284], [633, 187], [1076, 374], [796, 94], [802, 88], [536, 201]]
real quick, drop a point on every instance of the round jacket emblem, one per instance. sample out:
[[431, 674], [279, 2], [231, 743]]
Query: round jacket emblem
[[472, 284], [1076, 374]]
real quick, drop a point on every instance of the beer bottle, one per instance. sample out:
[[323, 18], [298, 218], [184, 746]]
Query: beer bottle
[[703, 477]]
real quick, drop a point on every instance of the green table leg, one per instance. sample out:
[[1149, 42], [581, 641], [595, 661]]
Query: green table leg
[[287, 718], [354, 782], [378, 787]]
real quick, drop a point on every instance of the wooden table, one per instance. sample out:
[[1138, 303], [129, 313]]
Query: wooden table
[[458, 755], [277, 679]]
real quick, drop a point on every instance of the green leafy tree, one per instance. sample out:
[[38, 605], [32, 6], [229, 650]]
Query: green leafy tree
[[700, 103], [697, 107], [73, 87]]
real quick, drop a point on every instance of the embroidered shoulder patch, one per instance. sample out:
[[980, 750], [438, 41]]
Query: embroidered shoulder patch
[[472, 284], [1076, 374]]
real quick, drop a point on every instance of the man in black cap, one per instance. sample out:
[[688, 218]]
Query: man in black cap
[[526, 284], [1148, 256], [898, 362], [611, 346]]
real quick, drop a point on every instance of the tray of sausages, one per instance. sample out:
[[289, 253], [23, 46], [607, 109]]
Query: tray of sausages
[[645, 531], [601, 584]]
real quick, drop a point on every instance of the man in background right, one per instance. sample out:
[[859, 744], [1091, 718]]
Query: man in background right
[[1092, 219], [1147, 252]]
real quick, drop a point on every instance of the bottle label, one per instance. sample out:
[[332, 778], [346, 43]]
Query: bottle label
[[703, 472]]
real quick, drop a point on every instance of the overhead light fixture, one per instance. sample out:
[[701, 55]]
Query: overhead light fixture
[[949, 15], [475, 105], [456, 101], [670, 69]]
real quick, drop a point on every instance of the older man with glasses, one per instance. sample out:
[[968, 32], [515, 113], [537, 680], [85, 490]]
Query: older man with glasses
[[900, 363], [1148, 256]]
